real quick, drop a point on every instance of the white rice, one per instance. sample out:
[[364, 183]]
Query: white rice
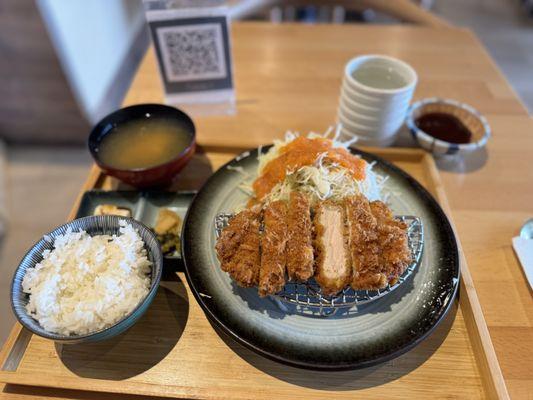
[[87, 283]]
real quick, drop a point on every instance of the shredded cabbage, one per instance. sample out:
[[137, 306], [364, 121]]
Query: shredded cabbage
[[321, 183], [273, 153], [323, 180]]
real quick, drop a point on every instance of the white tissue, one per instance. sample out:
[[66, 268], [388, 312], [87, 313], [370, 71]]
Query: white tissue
[[524, 250]]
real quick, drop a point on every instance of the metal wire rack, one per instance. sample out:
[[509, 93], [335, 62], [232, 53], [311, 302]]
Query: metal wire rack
[[307, 298]]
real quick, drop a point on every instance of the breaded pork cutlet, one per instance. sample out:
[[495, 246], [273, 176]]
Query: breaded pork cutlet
[[238, 248], [300, 258], [363, 245], [333, 270], [273, 246], [395, 254]]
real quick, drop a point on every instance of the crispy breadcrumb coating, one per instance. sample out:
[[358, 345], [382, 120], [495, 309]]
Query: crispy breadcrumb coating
[[273, 245], [238, 248], [300, 258]]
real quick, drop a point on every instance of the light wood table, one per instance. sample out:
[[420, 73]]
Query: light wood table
[[288, 77]]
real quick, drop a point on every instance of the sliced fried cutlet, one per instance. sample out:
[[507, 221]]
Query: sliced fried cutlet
[[363, 245], [333, 270], [300, 258], [273, 246], [238, 248], [395, 254]]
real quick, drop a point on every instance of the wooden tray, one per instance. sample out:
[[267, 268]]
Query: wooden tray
[[173, 351]]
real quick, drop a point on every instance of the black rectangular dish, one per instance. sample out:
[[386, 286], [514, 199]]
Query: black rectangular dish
[[144, 206]]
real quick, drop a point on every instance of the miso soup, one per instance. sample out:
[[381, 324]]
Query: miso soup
[[143, 143]]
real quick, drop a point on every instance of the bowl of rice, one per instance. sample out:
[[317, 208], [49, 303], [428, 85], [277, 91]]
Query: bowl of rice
[[87, 280]]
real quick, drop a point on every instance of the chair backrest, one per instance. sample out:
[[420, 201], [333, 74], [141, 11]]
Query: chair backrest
[[402, 10]]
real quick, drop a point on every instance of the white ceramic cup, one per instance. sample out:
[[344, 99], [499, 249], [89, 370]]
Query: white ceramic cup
[[357, 106], [374, 100], [379, 132], [346, 134], [403, 69], [371, 118]]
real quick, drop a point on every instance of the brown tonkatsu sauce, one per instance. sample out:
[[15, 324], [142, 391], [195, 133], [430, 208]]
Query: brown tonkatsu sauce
[[445, 127]]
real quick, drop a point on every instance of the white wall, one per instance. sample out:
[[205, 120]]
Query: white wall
[[92, 39]]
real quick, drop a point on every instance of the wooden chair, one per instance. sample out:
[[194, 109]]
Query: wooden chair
[[403, 10]]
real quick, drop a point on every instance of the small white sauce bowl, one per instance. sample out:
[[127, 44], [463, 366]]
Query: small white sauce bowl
[[470, 117]]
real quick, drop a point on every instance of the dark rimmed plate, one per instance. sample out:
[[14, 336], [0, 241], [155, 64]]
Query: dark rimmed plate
[[379, 331]]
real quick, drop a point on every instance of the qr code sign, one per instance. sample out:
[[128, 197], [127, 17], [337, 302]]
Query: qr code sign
[[192, 52]]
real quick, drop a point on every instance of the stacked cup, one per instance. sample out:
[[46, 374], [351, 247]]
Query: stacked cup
[[375, 95]]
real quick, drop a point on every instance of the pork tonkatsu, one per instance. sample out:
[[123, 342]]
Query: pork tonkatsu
[[394, 255], [363, 244], [238, 247], [273, 244], [349, 242], [300, 262], [333, 267]]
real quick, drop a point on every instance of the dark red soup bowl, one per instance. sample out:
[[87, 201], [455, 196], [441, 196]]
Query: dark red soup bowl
[[156, 176]]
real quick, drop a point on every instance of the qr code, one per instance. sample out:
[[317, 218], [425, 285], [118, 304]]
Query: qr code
[[192, 52]]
